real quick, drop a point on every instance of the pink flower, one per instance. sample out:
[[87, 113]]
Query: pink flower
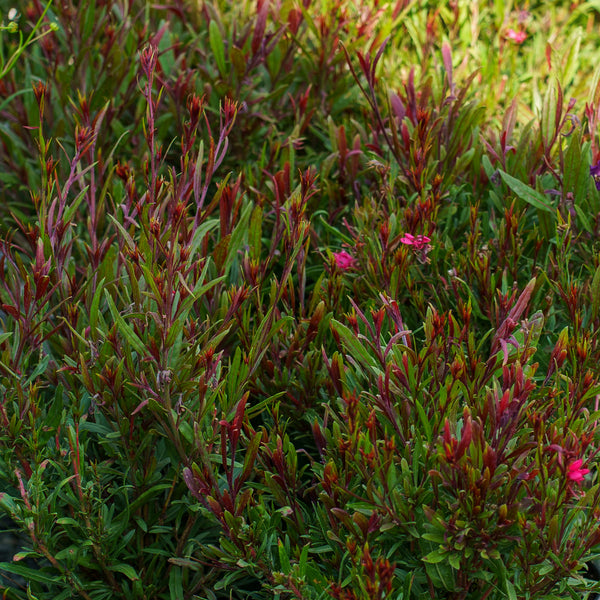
[[344, 260], [419, 241], [518, 37], [575, 472]]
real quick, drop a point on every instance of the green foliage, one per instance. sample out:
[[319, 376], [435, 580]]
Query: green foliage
[[299, 299]]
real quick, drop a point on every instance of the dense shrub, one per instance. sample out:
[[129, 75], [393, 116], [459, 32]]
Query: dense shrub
[[299, 299]]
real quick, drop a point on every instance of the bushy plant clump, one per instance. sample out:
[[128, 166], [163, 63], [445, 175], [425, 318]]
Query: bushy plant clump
[[299, 299]]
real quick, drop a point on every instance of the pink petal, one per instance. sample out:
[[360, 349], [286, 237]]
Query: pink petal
[[343, 260], [516, 36]]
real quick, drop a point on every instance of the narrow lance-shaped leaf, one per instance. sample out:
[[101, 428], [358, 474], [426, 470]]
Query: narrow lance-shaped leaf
[[216, 45], [353, 345], [526, 193], [124, 327], [176, 583], [551, 112], [128, 239], [126, 570], [94, 307], [69, 212], [249, 459]]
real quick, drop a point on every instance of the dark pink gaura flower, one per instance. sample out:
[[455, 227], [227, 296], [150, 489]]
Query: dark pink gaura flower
[[344, 260], [575, 472], [518, 37], [418, 241]]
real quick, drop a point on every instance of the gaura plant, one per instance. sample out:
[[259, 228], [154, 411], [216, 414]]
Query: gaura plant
[[299, 300]]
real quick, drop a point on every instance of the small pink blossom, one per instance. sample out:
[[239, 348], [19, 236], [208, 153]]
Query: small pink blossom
[[575, 472], [518, 37], [344, 260], [419, 241]]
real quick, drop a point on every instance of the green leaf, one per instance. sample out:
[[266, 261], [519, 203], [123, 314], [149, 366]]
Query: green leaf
[[547, 567], [303, 560], [284, 560], [443, 574], [23, 555], [176, 583], [582, 215], [407, 586], [30, 574], [68, 521], [69, 212], [128, 239], [216, 45], [572, 161], [571, 62], [454, 561], [199, 290], [551, 112], [510, 590], [160, 552], [255, 232], [238, 372], [425, 421], [260, 340], [435, 557], [199, 234], [74, 551], [486, 163], [526, 193], [39, 369], [546, 225], [54, 415], [144, 497], [250, 456], [127, 570], [124, 328], [353, 345], [238, 235], [438, 538], [95, 305], [5, 336], [336, 232]]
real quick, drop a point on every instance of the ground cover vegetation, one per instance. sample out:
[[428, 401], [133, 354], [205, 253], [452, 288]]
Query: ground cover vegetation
[[299, 299]]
